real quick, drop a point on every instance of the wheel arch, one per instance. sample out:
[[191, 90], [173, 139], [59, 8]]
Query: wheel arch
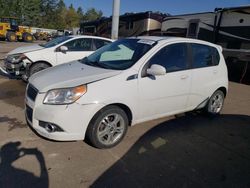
[[124, 107], [36, 62], [223, 89]]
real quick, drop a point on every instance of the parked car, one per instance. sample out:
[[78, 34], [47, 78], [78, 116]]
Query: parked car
[[25, 61], [129, 81]]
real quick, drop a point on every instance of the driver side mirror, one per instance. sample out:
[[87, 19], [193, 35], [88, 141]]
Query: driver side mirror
[[156, 70], [63, 49]]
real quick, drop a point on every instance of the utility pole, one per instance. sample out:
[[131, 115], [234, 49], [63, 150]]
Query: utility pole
[[115, 19]]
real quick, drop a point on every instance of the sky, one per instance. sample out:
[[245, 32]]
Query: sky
[[173, 7]]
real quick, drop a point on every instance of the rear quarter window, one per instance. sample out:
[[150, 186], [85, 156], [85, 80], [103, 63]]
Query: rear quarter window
[[216, 56], [204, 56]]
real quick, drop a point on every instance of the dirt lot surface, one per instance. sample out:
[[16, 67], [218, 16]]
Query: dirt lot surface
[[192, 150]]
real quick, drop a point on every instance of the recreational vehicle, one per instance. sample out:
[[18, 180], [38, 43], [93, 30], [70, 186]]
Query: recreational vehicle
[[228, 27], [130, 24]]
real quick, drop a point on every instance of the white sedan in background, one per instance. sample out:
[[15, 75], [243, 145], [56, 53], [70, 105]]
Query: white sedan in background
[[25, 61]]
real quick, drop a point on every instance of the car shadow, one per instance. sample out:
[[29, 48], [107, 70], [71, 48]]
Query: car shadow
[[189, 151], [13, 177]]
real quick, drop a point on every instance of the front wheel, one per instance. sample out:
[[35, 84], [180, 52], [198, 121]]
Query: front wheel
[[27, 37], [107, 128], [215, 103], [37, 67]]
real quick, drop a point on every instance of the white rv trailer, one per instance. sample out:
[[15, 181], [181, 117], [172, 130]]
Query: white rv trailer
[[228, 27]]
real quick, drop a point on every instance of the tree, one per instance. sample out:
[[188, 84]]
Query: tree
[[47, 13], [30, 12], [61, 13], [72, 19], [80, 14], [92, 14]]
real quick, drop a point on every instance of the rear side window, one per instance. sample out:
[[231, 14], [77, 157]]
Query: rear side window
[[216, 56], [204, 56], [98, 43], [173, 57]]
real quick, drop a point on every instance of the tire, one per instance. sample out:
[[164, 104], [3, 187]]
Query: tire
[[37, 67], [215, 103], [103, 132], [27, 37], [11, 36]]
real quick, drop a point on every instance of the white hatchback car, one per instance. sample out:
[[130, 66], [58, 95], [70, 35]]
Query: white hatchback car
[[25, 61], [129, 81]]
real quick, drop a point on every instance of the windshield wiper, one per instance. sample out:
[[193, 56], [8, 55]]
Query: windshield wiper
[[92, 63]]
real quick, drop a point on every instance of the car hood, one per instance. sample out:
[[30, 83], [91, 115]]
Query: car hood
[[25, 49], [69, 75]]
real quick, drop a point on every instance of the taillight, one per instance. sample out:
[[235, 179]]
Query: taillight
[[1, 27]]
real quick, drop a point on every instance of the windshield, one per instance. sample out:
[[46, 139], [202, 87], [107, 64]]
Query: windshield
[[120, 55], [55, 41]]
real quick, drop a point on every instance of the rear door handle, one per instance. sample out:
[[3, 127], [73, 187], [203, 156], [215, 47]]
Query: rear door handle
[[184, 77], [215, 71]]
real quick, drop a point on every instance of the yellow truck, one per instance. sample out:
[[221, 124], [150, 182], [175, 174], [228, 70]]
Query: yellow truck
[[10, 30]]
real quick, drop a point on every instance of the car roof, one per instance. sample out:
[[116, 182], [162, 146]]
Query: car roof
[[89, 36], [166, 39]]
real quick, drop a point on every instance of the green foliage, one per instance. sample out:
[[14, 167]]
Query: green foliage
[[72, 18], [46, 13], [92, 14]]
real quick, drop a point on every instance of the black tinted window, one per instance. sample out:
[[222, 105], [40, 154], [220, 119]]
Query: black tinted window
[[172, 57], [216, 56], [79, 45], [204, 56], [100, 43]]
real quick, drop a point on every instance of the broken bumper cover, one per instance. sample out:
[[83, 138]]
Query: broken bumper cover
[[14, 70]]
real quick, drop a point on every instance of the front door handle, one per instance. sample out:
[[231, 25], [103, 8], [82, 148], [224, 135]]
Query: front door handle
[[184, 77]]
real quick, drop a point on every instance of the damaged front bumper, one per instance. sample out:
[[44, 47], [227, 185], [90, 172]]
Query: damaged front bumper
[[15, 70]]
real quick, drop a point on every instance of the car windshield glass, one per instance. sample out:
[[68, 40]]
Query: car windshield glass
[[120, 55], [55, 41]]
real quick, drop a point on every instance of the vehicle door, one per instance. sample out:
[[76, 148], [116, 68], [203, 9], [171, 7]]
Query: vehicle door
[[166, 94], [205, 73], [76, 49]]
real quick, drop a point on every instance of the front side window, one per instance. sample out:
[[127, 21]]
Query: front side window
[[84, 44], [55, 41], [173, 57], [119, 55], [202, 55]]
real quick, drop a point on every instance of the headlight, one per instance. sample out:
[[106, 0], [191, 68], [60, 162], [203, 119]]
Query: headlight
[[16, 58], [65, 95]]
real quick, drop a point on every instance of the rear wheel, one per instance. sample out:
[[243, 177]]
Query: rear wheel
[[215, 103], [37, 67], [11, 36], [107, 128], [27, 37]]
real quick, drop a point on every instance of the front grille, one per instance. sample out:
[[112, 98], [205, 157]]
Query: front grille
[[29, 113], [32, 92]]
